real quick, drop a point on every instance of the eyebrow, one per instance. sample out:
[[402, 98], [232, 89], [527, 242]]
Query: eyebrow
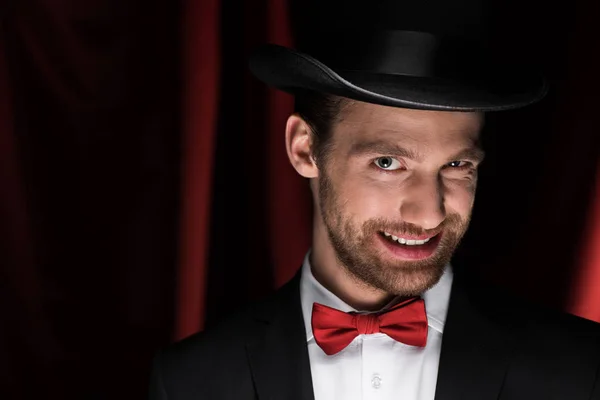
[[474, 153], [381, 147]]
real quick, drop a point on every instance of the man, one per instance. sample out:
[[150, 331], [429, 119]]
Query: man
[[386, 130]]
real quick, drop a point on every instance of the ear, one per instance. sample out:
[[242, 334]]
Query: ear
[[298, 142]]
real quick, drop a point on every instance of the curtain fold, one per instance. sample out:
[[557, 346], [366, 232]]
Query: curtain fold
[[585, 291], [201, 74], [275, 228]]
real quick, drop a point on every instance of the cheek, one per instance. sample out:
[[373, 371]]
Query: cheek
[[459, 198], [366, 199]]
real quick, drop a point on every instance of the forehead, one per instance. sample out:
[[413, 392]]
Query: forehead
[[364, 121]]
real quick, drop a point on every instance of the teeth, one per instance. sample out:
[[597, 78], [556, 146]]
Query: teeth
[[410, 242]]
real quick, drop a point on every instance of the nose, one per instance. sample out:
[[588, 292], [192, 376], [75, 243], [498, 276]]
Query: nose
[[423, 202]]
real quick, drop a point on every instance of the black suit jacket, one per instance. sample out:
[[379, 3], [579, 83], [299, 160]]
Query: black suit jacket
[[494, 347]]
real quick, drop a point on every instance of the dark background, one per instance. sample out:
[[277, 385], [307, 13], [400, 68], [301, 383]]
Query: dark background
[[118, 116]]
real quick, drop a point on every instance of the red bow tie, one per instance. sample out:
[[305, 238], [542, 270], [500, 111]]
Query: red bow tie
[[405, 322]]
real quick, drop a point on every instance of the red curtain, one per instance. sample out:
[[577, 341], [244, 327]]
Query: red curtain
[[290, 216], [286, 218], [201, 98], [89, 178], [586, 290], [584, 295], [546, 171]]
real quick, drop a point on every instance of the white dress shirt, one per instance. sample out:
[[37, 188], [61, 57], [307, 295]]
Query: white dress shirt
[[375, 366]]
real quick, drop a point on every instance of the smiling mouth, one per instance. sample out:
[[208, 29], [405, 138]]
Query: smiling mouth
[[410, 247], [407, 241]]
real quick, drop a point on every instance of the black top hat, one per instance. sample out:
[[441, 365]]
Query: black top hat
[[402, 68]]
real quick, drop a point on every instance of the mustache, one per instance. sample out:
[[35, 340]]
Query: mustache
[[451, 222]]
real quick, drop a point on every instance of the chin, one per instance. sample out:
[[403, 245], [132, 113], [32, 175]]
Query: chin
[[413, 283]]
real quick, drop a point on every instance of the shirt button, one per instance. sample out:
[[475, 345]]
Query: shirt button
[[376, 381]]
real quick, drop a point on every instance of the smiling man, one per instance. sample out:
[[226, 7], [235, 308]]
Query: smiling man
[[386, 129], [393, 189]]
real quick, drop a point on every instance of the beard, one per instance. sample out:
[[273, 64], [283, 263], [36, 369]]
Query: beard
[[367, 262]]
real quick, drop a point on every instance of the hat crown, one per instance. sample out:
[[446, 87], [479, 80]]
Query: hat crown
[[318, 19], [390, 53], [401, 52]]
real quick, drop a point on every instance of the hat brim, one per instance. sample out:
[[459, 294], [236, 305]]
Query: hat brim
[[292, 71]]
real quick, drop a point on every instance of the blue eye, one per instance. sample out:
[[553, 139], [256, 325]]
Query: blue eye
[[387, 163]]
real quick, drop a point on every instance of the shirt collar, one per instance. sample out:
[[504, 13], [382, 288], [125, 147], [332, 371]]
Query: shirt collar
[[311, 291]]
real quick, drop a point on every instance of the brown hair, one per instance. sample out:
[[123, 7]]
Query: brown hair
[[320, 111]]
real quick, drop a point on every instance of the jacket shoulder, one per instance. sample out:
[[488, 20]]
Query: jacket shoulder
[[555, 354], [203, 365]]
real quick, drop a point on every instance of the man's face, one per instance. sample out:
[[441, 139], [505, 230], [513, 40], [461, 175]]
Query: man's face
[[395, 193]]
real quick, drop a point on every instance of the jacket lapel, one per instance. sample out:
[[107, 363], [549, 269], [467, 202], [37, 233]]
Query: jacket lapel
[[476, 346], [278, 353]]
